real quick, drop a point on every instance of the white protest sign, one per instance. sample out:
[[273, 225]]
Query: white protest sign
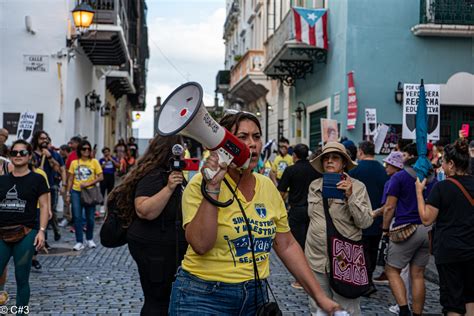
[[26, 125], [370, 121], [379, 137], [410, 105]]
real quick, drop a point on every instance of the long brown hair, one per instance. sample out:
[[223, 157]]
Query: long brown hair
[[156, 156]]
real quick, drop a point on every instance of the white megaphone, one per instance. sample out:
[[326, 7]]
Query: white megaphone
[[184, 113]]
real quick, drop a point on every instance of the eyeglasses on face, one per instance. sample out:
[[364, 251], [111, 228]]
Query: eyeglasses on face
[[23, 153], [86, 149]]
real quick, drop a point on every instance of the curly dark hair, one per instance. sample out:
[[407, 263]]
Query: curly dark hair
[[458, 153], [35, 140], [157, 155]]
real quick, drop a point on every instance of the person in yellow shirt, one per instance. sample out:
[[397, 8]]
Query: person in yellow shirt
[[282, 160], [230, 245], [85, 172]]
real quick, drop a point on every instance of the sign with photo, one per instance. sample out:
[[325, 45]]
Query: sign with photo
[[410, 105], [329, 130], [370, 121], [36, 63], [390, 141]]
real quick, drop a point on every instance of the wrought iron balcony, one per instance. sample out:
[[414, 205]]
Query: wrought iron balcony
[[247, 80], [446, 18], [288, 59], [106, 41], [222, 81]]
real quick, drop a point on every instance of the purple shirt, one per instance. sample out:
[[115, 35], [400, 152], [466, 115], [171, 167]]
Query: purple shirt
[[402, 186], [385, 191]]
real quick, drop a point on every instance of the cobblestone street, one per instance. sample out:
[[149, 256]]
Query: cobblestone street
[[105, 281]]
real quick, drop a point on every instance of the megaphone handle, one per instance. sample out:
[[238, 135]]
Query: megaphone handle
[[223, 156]]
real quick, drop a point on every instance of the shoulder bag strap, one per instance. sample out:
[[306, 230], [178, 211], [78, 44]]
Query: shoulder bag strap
[[464, 191], [251, 241], [330, 228]]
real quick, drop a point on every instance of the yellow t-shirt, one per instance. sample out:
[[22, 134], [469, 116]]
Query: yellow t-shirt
[[230, 260], [42, 173], [84, 171], [280, 163]]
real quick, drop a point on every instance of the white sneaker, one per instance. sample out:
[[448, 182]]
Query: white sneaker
[[63, 223], [78, 246], [91, 244], [394, 309]]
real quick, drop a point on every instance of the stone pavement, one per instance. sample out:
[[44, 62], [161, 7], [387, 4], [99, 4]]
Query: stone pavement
[[105, 281]]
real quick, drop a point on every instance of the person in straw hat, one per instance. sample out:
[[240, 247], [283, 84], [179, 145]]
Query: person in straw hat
[[350, 216]]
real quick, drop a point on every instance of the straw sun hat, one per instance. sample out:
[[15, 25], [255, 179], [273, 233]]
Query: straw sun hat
[[332, 147]]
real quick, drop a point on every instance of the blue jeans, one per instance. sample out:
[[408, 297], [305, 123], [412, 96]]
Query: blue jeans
[[77, 215], [191, 295]]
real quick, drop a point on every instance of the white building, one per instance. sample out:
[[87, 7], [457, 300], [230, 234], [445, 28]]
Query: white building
[[47, 67]]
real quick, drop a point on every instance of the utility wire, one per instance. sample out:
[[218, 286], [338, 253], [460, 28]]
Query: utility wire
[[185, 77]]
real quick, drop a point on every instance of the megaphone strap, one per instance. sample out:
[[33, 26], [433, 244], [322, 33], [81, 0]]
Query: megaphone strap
[[214, 202]]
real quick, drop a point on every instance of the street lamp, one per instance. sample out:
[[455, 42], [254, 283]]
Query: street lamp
[[299, 110], [399, 93], [105, 109], [83, 14], [92, 101]]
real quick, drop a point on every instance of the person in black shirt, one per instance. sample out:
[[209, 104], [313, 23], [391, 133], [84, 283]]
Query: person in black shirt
[[20, 192], [451, 205], [149, 200], [297, 179]]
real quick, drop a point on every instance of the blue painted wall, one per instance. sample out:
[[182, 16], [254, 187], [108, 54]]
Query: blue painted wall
[[373, 39]]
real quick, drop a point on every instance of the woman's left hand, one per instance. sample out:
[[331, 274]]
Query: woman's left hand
[[345, 185], [420, 186], [39, 240]]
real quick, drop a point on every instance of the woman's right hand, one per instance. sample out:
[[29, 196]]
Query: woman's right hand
[[68, 199], [212, 162], [328, 305], [174, 179]]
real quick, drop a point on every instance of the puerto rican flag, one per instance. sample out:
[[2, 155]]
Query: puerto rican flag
[[311, 26]]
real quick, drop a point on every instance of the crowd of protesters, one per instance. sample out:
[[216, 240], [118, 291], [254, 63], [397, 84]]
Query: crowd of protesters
[[203, 245], [33, 177]]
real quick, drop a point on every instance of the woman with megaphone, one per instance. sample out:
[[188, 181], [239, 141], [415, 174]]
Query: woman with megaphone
[[231, 223]]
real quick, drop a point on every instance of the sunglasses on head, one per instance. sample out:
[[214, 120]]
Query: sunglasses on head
[[86, 149], [234, 111], [23, 153]]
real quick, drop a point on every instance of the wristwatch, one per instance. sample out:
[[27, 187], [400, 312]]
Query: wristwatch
[[42, 229]]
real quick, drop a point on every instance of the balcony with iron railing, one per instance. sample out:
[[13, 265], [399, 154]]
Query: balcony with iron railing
[[222, 81], [287, 59], [106, 42], [247, 80], [446, 18]]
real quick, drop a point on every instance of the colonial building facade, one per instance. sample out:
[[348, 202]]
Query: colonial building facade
[[78, 82], [384, 44]]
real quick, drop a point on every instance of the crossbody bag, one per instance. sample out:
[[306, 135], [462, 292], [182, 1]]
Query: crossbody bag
[[347, 261]]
